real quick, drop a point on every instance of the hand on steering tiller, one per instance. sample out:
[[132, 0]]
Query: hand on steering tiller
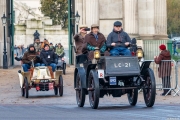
[[113, 44], [127, 43]]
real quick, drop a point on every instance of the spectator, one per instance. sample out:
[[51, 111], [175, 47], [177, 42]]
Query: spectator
[[43, 43], [60, 50], [174, 47], [52, 47], [164, 69], [37, 45]]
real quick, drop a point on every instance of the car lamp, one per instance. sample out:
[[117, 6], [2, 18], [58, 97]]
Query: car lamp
[[139, 53], [97, 53]]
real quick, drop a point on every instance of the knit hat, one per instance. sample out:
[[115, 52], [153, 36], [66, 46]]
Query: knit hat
[[117, 23], [162, 47]]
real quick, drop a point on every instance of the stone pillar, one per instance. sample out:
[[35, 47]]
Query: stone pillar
[[92, 12], [146, 18], [160, 19], [131, 17]]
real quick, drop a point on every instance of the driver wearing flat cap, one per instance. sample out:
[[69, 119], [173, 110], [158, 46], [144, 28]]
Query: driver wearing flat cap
[[94, 39], [118, 41]]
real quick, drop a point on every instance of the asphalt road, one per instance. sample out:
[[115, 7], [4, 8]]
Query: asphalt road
[[72, 112], [47, 106]]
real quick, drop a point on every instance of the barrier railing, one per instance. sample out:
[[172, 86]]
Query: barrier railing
[[178, 82], [166, 75]]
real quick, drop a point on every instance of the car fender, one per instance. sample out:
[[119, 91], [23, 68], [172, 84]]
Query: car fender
[[144, 66], [21, 79], [82, 73]]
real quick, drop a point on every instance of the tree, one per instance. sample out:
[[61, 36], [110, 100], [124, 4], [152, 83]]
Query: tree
[[57, 10], [173, 16]]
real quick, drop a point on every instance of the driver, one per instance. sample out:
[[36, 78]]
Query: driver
[[94, 39], [48, 57], [118, 41], [28, 56]]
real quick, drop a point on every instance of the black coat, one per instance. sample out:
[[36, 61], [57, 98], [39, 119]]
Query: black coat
[[48, 57], [120, 38]]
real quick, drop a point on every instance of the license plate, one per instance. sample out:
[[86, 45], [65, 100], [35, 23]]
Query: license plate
[[112, 81], [44, 81]]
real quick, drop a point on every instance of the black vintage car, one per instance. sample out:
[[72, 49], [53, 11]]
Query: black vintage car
[[116, 76]]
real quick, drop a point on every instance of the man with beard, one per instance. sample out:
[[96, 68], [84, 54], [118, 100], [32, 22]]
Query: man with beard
[[29, 56], [118, 41], [37, 45], [48, 57]]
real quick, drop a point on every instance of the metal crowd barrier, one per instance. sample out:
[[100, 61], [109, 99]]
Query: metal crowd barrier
[[178, 73], [166, 75]]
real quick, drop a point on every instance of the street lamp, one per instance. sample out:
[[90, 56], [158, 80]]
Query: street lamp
[[5, 64], [77, 18]]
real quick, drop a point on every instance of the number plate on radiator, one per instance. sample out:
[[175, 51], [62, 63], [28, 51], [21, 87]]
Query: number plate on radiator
[[44, 81], [112, 81]]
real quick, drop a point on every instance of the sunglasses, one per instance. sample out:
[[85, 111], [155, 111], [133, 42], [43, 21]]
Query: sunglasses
[[117, 26]]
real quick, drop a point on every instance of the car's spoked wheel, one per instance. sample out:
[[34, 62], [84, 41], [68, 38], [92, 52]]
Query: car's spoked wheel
[[60, 85], [80, 92], [23, 90], [94, 92], [132, 96], [55, 90], [149, 90], [26, 87], [64, 68]]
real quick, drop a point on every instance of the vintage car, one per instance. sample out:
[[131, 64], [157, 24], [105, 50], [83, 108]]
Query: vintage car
[[61, 65], [113, 75], [41, 78]]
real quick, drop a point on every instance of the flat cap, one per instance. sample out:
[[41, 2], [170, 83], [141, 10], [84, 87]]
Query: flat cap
[[83, 26], [94, 25]]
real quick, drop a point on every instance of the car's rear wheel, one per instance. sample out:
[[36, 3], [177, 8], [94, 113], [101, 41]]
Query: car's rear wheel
[[23, 90], [94, 92], [149, 91], [55, 90], [60, 85], [64, 68], [26, 87], [132, 96]]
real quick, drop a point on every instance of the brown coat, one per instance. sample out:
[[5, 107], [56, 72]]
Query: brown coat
[[164, 67], [43, 43], [28, 56], [90, 39], [79, 41]]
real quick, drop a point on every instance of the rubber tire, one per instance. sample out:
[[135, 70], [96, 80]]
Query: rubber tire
[[60, 85], [55, 90], [132, 98], [22, 91], [96, 93], [80, 99], [26, 87], [64, 69], [149, 73]]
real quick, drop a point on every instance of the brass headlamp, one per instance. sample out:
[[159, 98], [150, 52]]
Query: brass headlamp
[[139, 53], [97, 53]]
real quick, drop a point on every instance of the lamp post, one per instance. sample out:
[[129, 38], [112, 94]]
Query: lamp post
[[5, 64], [77, 18]]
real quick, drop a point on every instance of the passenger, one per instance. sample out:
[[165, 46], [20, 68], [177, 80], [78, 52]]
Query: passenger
[[79, 39], [118, 41], [44, 42], [48, 57], [52, 47], [164, 69], [94, 39], [60, 51], [29, 55]]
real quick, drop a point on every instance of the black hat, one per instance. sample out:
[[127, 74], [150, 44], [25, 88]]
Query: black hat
[[117, 23], [46, 45], [31, 45]]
